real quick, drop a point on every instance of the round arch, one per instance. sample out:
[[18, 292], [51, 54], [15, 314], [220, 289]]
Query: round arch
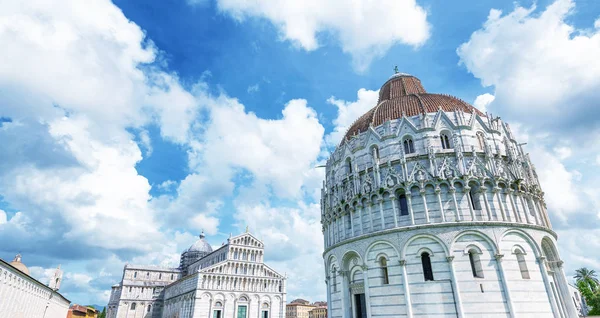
[[528, 238], [494, 246], [381, 242], [433, 237]]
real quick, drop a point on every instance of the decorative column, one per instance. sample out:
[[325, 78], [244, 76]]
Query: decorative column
[[467, 190], [408, 195], [511, 309], [514, 206], [529, 200], [453, 191], [542, 264], [365, 271], [381, 213], [564, 289], [328, 284], [520, 196], [370, 216], [351, 223], [344, 291], [360, 225], [393, 199], [407, 300], [496, 193], [459, 307], [439, 197], [422, 191], [487, 205]]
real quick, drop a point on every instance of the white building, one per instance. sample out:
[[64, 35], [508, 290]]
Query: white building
[[22, 296], [432, 208], [229, 282]]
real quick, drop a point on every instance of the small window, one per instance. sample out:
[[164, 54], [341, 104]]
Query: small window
[[349, 165], [132, 306], [134, 274], [375, 151], [481, 140], [403, 205], [445, 140], [475, 264], [148, 275], [522, 264], [408, 146], [427, 270], [171, 276], [474, 199], [130, 289], [384, 271], [159, 275], [149, 308]]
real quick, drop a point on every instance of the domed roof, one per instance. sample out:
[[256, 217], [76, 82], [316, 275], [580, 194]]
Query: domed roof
[[201, 245], [403, 95], [16, 263]]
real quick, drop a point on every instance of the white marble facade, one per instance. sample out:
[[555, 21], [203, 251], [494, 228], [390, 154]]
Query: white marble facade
[[229, 282], [22, 296], [431, 208]]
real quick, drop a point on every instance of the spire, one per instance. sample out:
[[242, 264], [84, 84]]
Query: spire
[[17, 258], [202, 234]]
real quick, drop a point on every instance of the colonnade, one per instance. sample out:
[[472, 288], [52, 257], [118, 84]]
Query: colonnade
[[258, 284], [498, 204], [246, 254]]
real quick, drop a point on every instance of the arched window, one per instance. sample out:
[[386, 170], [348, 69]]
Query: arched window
[[171, 276], [522, 264], [349, 165], [148, 275], [375, 153], [149, 308], [384, 271], [132, 306], [481, 140], [427, 270], [159, 275], [403, 205], [409, 147], [475, 264], [134, 274], [474, 199], [445, 140], [235, 255]]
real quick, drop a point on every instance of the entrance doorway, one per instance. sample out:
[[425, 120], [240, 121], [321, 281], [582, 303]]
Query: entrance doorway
[[360, 306]]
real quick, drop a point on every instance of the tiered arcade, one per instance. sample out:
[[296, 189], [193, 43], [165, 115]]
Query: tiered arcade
[[431, 207]]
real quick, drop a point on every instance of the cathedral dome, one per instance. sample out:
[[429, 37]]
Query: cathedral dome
[[404, 95], [201, 245], [16, 263]]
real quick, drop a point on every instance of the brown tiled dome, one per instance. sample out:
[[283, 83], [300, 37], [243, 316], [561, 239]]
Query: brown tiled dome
[[403, 95]]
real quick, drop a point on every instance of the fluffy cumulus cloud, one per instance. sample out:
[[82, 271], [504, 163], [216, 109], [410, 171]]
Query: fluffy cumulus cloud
[[348, 112], [538, 64], [293, 237], [81, 88], [544, 73], [365, 29]]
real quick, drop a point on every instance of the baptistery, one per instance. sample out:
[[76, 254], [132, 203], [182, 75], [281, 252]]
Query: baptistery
[[432, 208]]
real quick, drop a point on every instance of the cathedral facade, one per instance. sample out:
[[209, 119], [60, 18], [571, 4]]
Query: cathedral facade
[[432, 208], [229, 282]]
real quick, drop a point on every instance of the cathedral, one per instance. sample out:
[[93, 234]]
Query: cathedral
[[432, 208], [229, 282]]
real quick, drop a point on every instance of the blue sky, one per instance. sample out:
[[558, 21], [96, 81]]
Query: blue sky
[[130, 126]]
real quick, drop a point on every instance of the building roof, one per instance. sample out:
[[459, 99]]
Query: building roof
[[16, 263], [37, 282], [404, 95], [201, 245]]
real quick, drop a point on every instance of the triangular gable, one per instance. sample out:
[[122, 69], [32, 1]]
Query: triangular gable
[[442, 116], [371, 137], [405, 126], [476, 167], [417, 170]]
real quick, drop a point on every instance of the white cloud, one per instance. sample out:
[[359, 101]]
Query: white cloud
[[253, 88], [348, 112], [365, 29], [293, 241], [482, 101], [539, 65], [3, 217]]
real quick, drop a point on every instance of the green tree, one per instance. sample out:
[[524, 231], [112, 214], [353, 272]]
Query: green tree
[[587, 277], [103, 313]]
